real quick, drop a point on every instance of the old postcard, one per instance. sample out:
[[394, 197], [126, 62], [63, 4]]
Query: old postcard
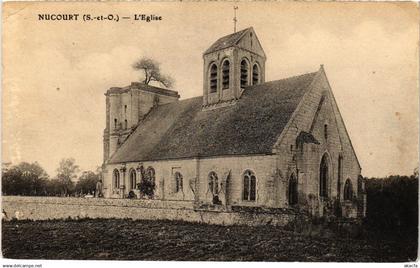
[[210, 131]]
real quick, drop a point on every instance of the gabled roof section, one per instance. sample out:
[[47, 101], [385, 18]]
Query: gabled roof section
[[338, 116], [227, 41], [182, 129]]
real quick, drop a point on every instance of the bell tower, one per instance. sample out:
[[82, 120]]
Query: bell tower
[[231, 64]]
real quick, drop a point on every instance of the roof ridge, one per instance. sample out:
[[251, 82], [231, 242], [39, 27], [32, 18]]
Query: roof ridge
[[283, 79]]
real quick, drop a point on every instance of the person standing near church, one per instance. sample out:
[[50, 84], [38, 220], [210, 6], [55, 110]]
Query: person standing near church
[[98, 191]]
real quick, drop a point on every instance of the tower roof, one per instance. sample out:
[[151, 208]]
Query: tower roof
[[227, 41]]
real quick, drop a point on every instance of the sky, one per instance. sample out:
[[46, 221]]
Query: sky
[[55, 73]]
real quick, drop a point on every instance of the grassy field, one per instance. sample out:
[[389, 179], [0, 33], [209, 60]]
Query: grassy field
[[165, 240]]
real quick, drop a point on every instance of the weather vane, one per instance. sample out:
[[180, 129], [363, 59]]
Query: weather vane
[[234, 18]]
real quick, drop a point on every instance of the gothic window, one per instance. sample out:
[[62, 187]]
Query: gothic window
[[116, 177], [250, 183], [133, 181], [348, 190], [115, 122], [151, 174], [340, 174], [213, 183], [255, 74], [125, 124], [323, 177], [125, 109], [326, 131], [225, 74], [244, 73], [178, 182], [293, 190], [213, 78]]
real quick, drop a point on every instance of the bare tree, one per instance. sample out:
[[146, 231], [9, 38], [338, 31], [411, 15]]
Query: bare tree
[[151, 72]]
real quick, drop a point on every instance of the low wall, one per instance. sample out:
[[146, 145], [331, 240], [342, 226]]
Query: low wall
[[42, 208]]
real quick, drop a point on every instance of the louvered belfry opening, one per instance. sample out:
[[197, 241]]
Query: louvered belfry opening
[[225, 74], [244, 73], [213, 78], [255, 74]]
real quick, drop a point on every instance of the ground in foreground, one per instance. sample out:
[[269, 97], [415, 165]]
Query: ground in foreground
[[119, 239]]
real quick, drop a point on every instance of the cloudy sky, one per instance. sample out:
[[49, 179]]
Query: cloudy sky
[[56, 72]]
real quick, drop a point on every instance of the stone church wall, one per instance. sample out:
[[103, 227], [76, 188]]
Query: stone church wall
[[305, 162], [261, 166], [164, 178], [195, 178]]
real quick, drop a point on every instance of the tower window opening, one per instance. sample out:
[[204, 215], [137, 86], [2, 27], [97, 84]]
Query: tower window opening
[[225, 74], [244, 73], [125, 124], [115, 122], [213, 78], [255, 75]]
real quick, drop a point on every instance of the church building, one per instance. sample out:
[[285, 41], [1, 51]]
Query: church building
[[244, 143]]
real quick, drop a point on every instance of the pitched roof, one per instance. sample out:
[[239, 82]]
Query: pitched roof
[[226, 41], [182, 129], [144, 87]]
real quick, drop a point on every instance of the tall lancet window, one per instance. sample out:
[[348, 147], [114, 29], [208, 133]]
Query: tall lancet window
[[255, 74], [244, 73], [225, 74], [213, 78]]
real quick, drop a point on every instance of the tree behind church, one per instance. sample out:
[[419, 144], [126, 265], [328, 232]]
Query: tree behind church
[[87, 182], [151, 72], [24, 179], [66, 173]]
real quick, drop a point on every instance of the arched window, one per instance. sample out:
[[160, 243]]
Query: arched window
[[133, 180], [244, 73], [340, 174], [293, 190], [255, 74], [213, 78], [213, 183], [116, 177], [225, 74], [323, 177], [178, 182], [151, 174], [125, 124], [348, 190], [115, 122], [250, 183]]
